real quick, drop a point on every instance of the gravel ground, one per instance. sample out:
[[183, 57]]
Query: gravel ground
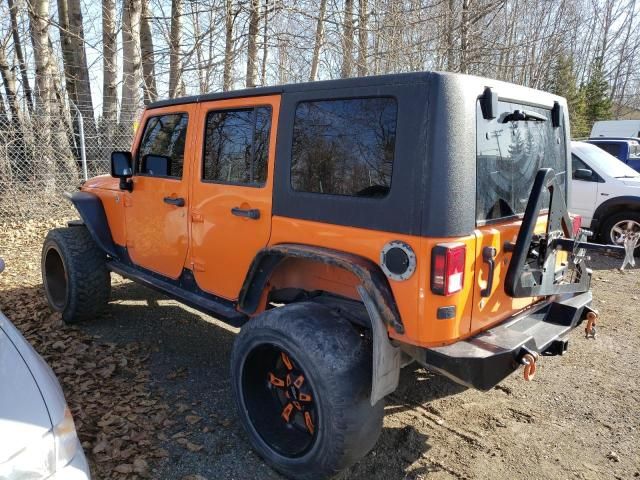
[[159, 402]]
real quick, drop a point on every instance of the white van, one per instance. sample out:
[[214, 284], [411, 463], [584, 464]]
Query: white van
[[604, 192], [616, 128]]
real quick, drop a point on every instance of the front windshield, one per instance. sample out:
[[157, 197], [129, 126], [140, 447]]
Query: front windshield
[[603, 162]]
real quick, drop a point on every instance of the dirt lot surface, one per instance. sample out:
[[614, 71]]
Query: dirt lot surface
[[149, 388]]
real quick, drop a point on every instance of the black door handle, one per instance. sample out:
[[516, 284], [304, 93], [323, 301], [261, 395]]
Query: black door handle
[[488, 257], [252, 213], [178, 202]]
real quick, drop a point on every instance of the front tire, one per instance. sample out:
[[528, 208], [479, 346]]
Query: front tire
[[301, 376], [74, 273], [620, 224]]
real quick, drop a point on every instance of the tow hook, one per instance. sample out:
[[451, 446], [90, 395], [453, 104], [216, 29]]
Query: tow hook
[[590, 329], [529, 360]]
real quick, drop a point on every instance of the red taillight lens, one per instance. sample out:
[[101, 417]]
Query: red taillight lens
[[576, 220], [447, 268]]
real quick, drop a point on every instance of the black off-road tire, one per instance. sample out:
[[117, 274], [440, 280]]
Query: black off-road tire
[[335, 359], [74, 273], [615, 219]]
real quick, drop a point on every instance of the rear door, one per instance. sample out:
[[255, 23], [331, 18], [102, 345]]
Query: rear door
[[232, 190], [509, 154], [156, 209]]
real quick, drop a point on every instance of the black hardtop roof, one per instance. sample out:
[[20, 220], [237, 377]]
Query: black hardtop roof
[[396, 78]]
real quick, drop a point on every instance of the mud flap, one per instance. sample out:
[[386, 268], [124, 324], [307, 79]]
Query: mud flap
[[386, 358]]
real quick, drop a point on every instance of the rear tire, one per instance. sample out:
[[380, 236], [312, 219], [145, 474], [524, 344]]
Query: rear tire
[[74, 273], [334, 361], [618, 224]]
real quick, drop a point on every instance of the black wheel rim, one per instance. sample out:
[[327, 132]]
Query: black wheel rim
[[55, 278], [280, 400]]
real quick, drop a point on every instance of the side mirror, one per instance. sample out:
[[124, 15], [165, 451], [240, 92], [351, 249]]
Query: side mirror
[[1, 265], [583, 174], [122, 168]]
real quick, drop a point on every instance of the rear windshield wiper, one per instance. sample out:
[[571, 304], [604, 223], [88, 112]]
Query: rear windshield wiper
[[522, 116]]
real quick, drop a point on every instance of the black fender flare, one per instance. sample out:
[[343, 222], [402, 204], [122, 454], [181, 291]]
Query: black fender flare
[[611, 205], [92, 213], [373, 281]]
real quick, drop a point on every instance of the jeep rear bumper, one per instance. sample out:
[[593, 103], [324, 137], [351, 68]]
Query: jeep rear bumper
[[486, 359]]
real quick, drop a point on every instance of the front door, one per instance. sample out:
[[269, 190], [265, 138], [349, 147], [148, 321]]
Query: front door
[[232, 190], [584, 192], [156, 209]]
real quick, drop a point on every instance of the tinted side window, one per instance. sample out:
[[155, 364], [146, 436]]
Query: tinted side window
[[344, 147], [161, 152], [236, 146]]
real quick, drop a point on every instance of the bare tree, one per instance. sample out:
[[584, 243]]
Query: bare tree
[[175, 68], [319, 39], [109, 67], [9, 81], [131, 68], [229, 45], [363, 37], [17, 47], [252, 43], [347, 40], [148, 56]]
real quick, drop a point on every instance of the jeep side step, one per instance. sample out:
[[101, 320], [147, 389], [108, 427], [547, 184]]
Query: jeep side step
[[217, 307], [484, 360]]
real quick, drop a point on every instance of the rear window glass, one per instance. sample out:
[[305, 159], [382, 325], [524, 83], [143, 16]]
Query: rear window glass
[[509, 154], [344, 147], [236, 146]]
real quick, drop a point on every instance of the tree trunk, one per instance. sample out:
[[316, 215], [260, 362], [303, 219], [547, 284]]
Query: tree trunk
[[68, 57], [363, 37], [17, 47], [148, 56], [252, 44], [109, 68], [464, 37], [39, 26], [175, 69], [347, 40], [131, 68], [315, 60], [9, 81], [265, 44], [227, 81], [449, 37], [83, 84]]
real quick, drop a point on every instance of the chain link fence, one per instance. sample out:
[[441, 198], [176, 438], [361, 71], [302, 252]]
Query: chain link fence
[[44, 156]]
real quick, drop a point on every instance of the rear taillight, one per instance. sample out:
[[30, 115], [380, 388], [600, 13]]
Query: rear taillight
[[576, 221], [447, 268]]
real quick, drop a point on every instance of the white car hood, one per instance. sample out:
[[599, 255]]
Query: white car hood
[[24, 418], [631, 182]]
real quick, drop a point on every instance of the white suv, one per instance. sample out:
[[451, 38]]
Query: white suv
[[604, 192]]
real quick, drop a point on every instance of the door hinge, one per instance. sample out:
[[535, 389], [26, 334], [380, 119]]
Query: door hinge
[[197, 217]]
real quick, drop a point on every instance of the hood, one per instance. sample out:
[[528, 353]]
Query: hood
[[24, 418], [106, 182], [631, 182]]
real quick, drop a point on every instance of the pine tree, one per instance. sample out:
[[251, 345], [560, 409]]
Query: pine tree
[[596, 92], [565, 85]]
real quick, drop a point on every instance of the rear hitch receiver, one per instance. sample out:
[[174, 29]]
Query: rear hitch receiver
[[590, 329], [529, 360]]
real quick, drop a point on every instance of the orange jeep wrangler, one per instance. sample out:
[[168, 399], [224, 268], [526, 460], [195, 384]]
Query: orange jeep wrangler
[[349, 227]]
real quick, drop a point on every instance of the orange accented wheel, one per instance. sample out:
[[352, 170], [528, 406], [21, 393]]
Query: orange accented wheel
[[301, 376], [278, 396]]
